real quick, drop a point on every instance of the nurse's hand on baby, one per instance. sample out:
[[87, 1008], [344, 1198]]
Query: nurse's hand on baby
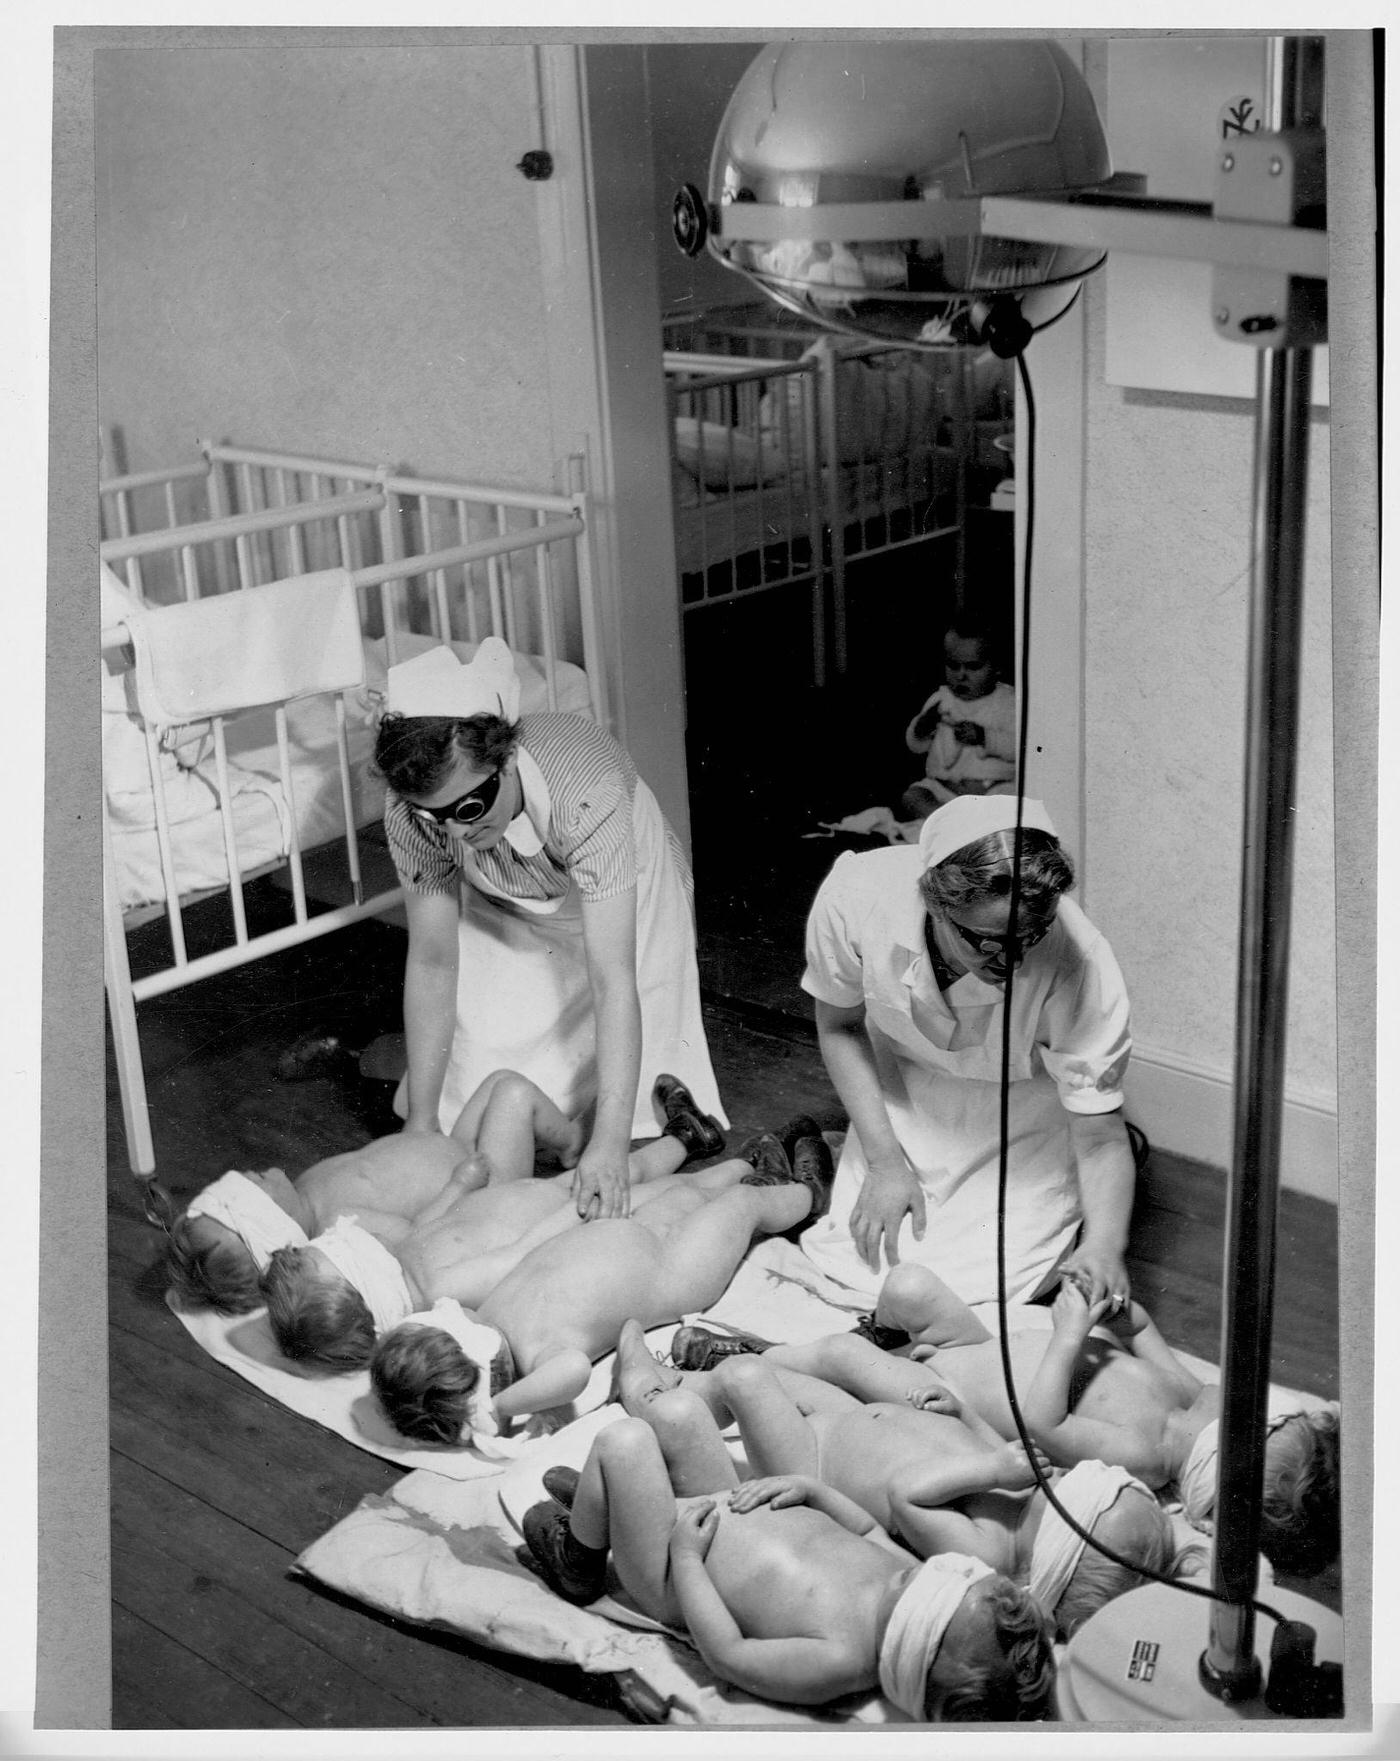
[[1100, 1274], [1072, 1314], [889, 1193], [602, 1183]]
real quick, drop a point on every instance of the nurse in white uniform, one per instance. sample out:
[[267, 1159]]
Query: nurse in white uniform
[[549, 912], [908, 951]]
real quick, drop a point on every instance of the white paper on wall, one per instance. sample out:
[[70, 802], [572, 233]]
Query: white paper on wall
[[1171, 102]]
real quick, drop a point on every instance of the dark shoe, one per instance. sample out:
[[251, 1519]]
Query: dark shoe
[[562, 1483], [768, 1159], [672, 1096], [700, 1134], [814, 1168], [799, 1126], [573, 1571], [887, 1338], [697, 1348]]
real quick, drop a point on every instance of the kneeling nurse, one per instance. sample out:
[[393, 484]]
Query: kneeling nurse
[[549, 911]]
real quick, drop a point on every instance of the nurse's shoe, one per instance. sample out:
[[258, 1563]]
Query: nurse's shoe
[[701, 1134], [697, 1348], [562, 1485]]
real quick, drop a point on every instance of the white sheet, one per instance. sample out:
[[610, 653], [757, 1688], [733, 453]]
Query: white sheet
[[260, 809]]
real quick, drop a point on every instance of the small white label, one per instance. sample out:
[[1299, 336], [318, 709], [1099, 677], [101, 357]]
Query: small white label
[[1142, 1665]]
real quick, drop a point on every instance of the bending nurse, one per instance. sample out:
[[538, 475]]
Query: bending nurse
[[908, 951], [549, 912]]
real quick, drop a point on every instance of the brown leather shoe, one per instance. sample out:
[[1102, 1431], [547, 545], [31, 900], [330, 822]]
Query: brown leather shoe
[[699, 1133], [768, 1159], [814, 1168], [697, 1348], [562, 1485], [573, 1571]]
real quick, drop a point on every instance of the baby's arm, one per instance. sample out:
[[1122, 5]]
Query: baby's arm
[[918, 736], [802, 1670], [1065, 1437], [1141, 1336], [784, 1490], [929, 1529], [555, 1382]]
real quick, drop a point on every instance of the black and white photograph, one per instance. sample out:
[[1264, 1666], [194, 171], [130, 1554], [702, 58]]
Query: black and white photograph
[[739, 680]]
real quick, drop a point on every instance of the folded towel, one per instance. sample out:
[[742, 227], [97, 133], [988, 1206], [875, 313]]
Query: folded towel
[[238, 650], [1086, 1491]]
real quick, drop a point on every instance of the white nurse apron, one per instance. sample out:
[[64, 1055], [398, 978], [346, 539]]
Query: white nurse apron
[[940, 1081], [524, 1002]]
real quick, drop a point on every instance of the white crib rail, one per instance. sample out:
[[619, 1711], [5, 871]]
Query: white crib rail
[[894, 456], [742, 537], [448, 570]]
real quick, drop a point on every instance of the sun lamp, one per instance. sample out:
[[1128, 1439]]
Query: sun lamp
[[954, 193], [944, 193]]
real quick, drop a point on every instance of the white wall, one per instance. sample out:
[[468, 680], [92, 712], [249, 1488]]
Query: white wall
[[330, 250], [325, 249], [1167, 513]]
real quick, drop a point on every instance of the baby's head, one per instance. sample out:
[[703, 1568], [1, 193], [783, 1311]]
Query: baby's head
[[969, 661], [210, 1267], [1302, 1523], [219, 1248], [996, 1663], [317, 1315], [963, 1644], [1137, 1528], [425, 1383]]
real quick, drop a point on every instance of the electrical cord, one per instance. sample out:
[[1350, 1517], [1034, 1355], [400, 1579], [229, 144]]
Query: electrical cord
[[1004, 1099]]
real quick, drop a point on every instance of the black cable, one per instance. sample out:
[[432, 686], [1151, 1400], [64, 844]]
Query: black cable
[[1004, 1098]]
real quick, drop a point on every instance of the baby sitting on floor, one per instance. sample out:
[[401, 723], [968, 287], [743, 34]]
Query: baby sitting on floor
[[1109, 1390], [932, 1473], [450, 1378], [787, 1589], [330, 1297]]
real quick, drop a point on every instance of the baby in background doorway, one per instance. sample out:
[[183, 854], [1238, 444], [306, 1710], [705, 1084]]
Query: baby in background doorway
[[967, 728]]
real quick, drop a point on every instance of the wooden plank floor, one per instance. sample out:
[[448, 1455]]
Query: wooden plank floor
[[216, 1488]]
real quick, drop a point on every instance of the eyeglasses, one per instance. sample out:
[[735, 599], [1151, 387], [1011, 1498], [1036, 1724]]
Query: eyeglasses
[[465, 810], [1007, 946]]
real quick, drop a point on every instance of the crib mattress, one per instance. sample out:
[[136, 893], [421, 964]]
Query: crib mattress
[[264, 812]]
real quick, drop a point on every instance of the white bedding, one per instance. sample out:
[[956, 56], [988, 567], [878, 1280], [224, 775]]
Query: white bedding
[[262, 810], [442, 1551]]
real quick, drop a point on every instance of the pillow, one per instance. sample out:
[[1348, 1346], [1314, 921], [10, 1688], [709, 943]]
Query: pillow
[[725, 458]]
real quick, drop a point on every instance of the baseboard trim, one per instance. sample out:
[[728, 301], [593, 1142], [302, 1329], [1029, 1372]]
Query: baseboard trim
[[1189, 1109]]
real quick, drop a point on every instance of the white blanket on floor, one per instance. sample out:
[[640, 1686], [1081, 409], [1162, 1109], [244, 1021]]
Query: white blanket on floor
[[346, 1405], [441, 1552]]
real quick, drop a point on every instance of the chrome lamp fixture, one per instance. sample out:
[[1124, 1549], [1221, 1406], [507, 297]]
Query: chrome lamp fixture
[[944, 193]]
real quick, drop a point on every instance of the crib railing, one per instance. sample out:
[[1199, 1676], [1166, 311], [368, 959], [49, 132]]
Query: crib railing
[[439, 577], [746, 433], [895, 426], [408, 516]]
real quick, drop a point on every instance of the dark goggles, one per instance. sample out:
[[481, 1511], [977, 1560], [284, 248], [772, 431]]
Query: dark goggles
[[1005, 947], [465, 810]]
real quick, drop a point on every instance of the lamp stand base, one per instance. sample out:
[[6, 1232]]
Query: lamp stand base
[[1137, 1661]]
